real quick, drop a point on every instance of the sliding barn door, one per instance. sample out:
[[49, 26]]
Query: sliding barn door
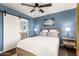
[[11, 31]]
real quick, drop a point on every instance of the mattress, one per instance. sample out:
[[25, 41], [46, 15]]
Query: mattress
[[40, 46]]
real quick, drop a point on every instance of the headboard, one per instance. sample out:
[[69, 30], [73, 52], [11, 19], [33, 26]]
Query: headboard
[[49, 32]]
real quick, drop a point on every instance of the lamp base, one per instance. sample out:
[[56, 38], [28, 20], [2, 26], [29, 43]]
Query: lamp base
[[67, 34]]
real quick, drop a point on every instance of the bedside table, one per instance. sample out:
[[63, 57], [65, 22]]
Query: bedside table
[[69, 45], [68, 42], [23, 35]]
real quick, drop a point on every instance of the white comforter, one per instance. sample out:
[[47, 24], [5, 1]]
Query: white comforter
[[40, 46]]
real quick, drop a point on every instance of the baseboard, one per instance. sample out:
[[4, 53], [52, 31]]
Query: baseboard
[[1, 51]]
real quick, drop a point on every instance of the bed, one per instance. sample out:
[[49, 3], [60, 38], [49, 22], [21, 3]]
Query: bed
[[38, 46]]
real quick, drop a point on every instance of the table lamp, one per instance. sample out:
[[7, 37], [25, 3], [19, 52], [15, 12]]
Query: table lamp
[[68, 29]]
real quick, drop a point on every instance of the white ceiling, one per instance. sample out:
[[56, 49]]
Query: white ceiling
[[56, 7]]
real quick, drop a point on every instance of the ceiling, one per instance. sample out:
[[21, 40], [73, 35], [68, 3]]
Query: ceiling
[[56, 7]]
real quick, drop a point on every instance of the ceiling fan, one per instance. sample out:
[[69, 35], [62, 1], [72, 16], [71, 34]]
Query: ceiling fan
[[37, 6]]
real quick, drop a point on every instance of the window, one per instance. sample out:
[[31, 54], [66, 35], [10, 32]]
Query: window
[[24, 25]]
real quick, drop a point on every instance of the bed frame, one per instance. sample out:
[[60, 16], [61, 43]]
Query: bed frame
[[21, 52]]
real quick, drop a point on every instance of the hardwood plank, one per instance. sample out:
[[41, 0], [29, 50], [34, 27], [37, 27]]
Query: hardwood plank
[[65, 51], [9, 53], [62, 51]]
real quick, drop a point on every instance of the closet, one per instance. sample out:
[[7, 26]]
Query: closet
[[10, 31]]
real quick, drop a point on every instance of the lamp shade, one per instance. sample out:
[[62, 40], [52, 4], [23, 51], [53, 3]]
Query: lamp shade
[[35, 29], [67, 29]]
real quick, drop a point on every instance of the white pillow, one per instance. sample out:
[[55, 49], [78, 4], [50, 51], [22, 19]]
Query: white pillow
[[43, 33], [53, 30], [52, 34], [44, 30]]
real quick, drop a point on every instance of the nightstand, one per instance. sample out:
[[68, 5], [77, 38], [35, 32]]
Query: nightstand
[[68, 42], [69, 46], [23, 35]]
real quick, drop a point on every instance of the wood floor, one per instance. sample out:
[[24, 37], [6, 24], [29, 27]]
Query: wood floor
[[9, 53], [63, 51]]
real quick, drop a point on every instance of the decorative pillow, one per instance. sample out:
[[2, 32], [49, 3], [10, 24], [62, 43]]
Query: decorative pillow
[[43, 33], [44, 30], [52, 34], [53, 30]]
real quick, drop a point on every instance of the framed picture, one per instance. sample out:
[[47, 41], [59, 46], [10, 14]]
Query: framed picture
[[48, 22]]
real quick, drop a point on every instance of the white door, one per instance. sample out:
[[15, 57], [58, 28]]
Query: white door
[[11, 31]]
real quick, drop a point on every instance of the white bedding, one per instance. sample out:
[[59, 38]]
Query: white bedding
[[40, 46]]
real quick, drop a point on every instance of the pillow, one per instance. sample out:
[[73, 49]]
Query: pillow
[[53, 30], [44, 30], [43, 33], [52, 34]]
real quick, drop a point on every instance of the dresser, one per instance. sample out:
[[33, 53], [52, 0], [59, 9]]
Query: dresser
[[69, 42]]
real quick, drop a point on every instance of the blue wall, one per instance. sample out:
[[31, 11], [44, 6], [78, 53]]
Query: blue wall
[[31, 27], [31, 20], [1, 22], [62, 20], [17, 13]]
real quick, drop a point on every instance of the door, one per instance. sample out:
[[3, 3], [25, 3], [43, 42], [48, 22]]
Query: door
[[11, 31]]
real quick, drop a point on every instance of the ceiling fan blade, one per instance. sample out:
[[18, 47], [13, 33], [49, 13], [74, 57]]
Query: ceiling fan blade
[[46, 5], [41, 10], [32, 10], [27, 5]]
